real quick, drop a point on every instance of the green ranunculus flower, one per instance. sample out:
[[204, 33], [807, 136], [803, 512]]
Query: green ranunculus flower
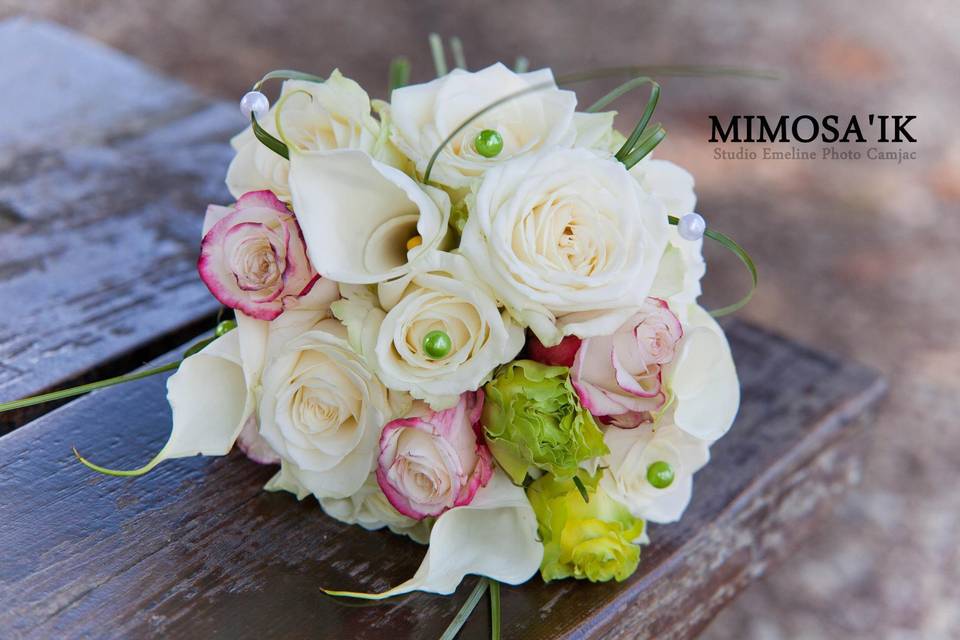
[[532, 416], [592, 540]]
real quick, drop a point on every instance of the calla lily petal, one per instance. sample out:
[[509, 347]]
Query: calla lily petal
[[493, 536], [357, 215], [704, 379], [210, 401]]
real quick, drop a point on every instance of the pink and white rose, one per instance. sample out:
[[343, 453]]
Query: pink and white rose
[[433, 461], [619, 378], [253, 257]]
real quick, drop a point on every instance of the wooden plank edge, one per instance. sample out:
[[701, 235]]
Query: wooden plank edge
[[143, 355], [754, 531]]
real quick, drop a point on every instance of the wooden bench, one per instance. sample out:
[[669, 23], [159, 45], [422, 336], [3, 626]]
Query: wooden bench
[[102, 191]]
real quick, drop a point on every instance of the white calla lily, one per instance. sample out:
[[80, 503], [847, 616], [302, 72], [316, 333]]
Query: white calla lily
[[493, 536], [210, 401], [703, 378], [358, 214]]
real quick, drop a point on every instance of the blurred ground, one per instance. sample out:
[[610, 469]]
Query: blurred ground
[[856, 257]]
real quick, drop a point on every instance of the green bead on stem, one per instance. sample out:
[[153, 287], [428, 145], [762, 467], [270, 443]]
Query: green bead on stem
[[437, 344], [660, 474], [225, 327], [488, 143]]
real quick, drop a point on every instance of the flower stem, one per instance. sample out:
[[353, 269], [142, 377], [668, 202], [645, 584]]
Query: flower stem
[[86, 388], [494, 609], [468, 606]]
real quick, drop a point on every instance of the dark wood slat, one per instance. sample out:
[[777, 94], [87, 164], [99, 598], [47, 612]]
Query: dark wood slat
[[197, 549], [106, 169]]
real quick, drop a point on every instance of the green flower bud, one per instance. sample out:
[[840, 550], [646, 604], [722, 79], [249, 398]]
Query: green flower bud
[[532, 417], [592, 540]]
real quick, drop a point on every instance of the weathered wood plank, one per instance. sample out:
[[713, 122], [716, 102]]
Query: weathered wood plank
[[197, 549], [105, 172]]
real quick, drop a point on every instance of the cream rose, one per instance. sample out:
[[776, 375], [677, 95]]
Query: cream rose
[[312, 116], [442, 293], [322, 410], [425, 114], [650, 469], [568, 239]]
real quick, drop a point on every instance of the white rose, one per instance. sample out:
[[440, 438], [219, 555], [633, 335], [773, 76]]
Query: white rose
[[441, 293], [370, 509], [358, 215], [633, 451], [425, 114], [568, 239], [322, 411], [313, 116], [214, 393]]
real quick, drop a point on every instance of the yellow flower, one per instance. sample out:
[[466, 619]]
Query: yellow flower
[[593, 540]]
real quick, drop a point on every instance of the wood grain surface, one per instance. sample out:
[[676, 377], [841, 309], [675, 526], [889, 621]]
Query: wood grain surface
[[106, 169], [197, 549]]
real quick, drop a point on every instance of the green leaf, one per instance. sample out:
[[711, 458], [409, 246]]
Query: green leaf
[[399, 73], [632, 141], [582, 489], [120, 473], [86, 388], [645, 146], [275, 145], [439, 57], [620, 91], [666, 71], [741, 253], [456, 49], [468, 606], [287, 74]]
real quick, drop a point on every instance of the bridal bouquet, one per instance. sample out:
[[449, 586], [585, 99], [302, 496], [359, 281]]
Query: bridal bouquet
[[468, 315]]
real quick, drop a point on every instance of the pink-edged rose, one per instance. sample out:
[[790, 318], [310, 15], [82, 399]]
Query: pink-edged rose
[[435, 460], [619, 377], [560, 355], [253, 257]]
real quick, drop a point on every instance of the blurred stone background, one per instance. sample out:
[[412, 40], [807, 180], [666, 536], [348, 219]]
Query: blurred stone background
[[856, 257]]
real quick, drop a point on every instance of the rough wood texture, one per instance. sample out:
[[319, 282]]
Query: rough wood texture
[[196, 549], [105, 172]]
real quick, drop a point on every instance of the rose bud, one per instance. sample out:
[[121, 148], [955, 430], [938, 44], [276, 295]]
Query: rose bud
[[560, 355], [619, 377], [253, 257], [435, 460]]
